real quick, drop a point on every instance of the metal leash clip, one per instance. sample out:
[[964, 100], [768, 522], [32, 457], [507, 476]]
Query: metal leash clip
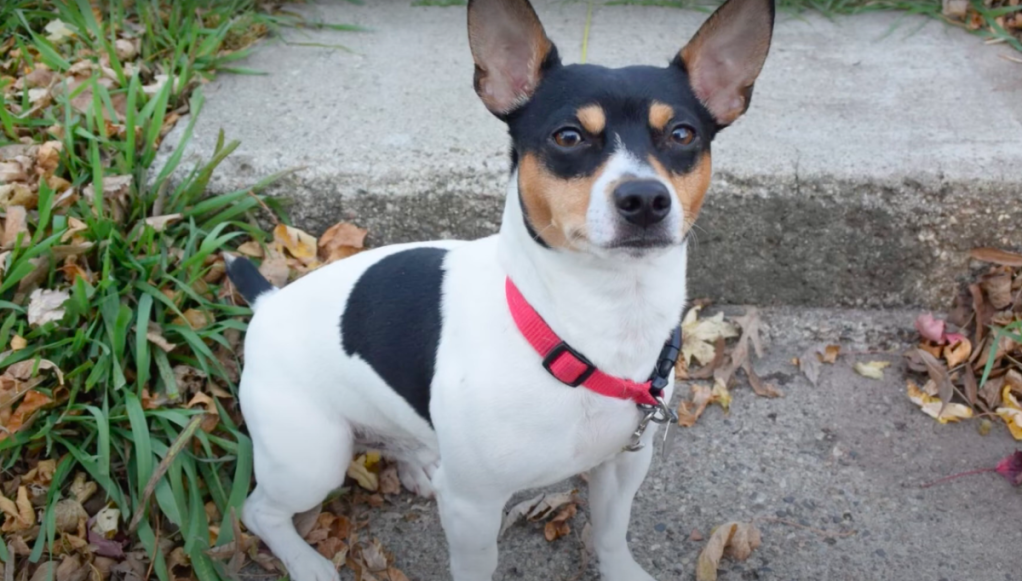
[[658, 414]]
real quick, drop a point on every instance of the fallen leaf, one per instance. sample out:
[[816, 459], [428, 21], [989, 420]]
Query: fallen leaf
[[558, 526], [20, 514], [15, 228], [829, 355], [809, 364], [359, 473], [930, 328], [341, 241], [83, 489], [18, 343], [29, 405], [69, 515], [998, 289], [737, 540], [700, 335], [374, 556], [116, 193], [160, 223], [1011, 468], [957, 353], [933, 407], [872, 370], [1011, 412], [105, 522], [298, 243], [695, 536], [57, 31], [689, 411], [389, 481], [276, 270], [721, 396], [996, 256], [252, 249], [195, 319], [536, 508], [48, 158], [46, 306], [761, 388], [156, 337]]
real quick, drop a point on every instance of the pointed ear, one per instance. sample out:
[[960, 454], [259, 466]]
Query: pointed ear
[[510, 49], [724, 58]]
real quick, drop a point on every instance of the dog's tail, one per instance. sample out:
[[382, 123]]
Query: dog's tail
[[247, 279]]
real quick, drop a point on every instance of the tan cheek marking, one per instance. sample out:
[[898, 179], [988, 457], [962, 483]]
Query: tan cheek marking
[[689, 187], [556, 207], [592, 118], [659, 115]]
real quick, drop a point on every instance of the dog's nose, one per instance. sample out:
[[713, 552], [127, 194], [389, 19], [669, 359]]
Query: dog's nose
[[642, 202]]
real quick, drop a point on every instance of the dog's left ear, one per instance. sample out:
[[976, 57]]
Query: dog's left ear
[[510, 49], [726, 55]]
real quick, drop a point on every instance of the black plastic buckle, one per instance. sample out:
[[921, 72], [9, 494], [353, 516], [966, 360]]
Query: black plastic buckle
[[555, 354], [665, 363]]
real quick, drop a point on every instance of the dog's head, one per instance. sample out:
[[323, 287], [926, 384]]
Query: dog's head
[[614, 160]]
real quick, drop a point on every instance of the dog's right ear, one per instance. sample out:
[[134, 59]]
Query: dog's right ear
[[511, 51]]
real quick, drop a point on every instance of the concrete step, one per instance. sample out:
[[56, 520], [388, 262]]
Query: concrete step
[[878, 149], [846, 455]]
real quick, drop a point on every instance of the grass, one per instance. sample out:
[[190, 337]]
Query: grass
[[116, 412]]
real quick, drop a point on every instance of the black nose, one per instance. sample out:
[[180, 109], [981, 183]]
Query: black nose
[[642, 202]]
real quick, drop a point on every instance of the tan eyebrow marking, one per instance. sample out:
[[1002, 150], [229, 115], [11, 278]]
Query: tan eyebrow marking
[[659, 115], [592, 118]]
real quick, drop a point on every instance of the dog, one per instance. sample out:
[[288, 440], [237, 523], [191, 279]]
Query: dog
[[512, 362]]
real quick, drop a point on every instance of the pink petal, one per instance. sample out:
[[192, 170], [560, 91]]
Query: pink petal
[[954, 338], [1011, 468], [930, 328]]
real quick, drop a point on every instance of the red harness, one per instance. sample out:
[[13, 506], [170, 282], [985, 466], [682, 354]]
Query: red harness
[[572, 368]]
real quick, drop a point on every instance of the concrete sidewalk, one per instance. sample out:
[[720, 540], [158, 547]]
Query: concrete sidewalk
[[878, 149], [846, 455]]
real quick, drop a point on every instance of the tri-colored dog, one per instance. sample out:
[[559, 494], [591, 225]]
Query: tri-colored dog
[[516, 361]]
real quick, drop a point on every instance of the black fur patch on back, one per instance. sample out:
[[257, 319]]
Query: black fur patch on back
[[392, 321]]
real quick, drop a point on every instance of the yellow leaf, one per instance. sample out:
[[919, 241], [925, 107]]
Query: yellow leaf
[[872, 370], [299, 244], [358, 472], [700, 335], [829, 355], [931, 405], [18, 343], [721, 396], [1011, 412], [251, 249]]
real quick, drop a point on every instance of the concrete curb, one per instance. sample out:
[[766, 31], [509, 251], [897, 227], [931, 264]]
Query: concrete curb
[[870, 162]]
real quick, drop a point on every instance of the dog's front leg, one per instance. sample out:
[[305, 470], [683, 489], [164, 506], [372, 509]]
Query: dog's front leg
[[471, 519], [612, 486]]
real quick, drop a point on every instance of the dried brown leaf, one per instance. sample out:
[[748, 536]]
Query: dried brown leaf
[[15, 227], [341, 241], [997, 256], [389, 481], [737, 540], [829, 355], [276, 270]]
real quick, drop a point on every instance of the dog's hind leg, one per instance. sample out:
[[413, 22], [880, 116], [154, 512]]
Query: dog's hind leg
[[297, 464], [612, 486]]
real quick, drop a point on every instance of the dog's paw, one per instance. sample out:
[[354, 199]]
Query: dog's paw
[[312, 569], [417, 478]]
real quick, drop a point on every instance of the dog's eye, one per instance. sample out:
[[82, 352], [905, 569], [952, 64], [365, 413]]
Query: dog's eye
[[568, 137], [683, 134]]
